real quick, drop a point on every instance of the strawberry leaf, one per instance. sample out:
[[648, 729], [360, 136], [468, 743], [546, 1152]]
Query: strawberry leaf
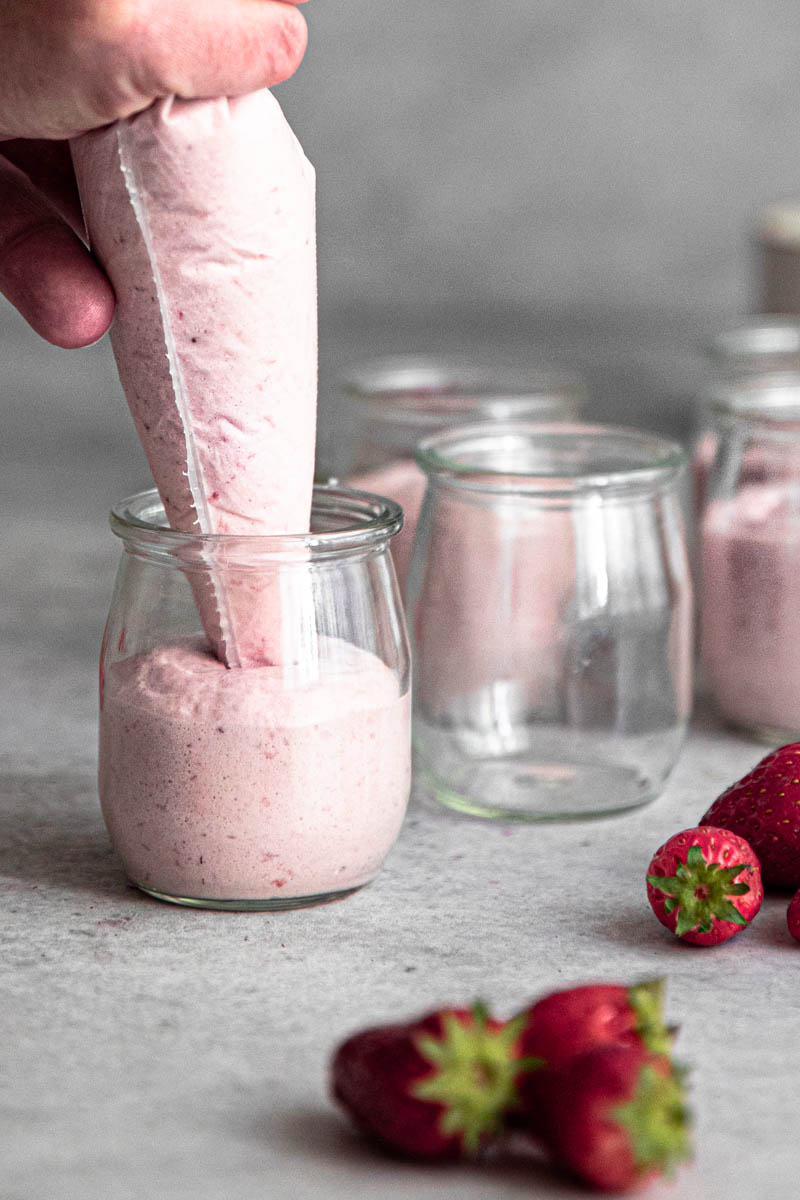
[[474, 1074], [695, 858], [647, 1001], [671, 884], [657, 1121], [699, 893]]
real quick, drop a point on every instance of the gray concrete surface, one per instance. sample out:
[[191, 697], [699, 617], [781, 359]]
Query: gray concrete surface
[[146, 1050]]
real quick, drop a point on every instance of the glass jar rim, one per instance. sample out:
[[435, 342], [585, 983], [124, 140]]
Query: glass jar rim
[[766, 406], [423, 390], [367, 521], [641, 460], [756, 338]]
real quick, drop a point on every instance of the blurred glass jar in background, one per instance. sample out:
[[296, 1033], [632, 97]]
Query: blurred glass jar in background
[[550, 610], [748, 362], [750, 556], [394, 402], [756, 345]]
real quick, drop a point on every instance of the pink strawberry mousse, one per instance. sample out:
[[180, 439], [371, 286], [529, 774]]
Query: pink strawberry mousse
[[238, 785], [404, 482], [750, 627], [202, 213], [254, 784], [492, 603]]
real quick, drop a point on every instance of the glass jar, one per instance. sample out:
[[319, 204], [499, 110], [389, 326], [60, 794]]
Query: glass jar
[[276, 785], [750, 558], [756, 345], [550, 609], [394, 402], [748, 362]]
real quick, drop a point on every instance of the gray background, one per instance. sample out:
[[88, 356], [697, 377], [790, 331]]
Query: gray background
[[546, 153], [525, 179]]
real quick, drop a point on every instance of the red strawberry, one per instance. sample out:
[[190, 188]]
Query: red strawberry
[[764, 808], [565, 1024], [619, 1117], [793, 916], [436, 1088], [705, 885]]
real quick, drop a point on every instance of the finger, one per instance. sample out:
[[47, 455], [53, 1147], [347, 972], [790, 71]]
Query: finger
[[48, 165], [45, 270], [215, 49]]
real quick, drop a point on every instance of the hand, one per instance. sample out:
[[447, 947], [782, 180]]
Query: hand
[[73, 65]]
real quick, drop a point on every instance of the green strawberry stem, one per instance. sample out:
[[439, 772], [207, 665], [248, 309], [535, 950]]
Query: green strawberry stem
[[700, 890], [474, 1076], [647, 1001], [657, 1120]]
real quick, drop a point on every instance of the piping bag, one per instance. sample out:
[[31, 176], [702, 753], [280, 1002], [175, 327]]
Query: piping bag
[[202, 214]]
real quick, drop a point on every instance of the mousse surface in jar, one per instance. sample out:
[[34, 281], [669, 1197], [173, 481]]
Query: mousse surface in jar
[[237, 785]]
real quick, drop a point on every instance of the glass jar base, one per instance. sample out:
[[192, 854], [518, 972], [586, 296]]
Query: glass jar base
[[271, 904], [770, 735], [504, 790]]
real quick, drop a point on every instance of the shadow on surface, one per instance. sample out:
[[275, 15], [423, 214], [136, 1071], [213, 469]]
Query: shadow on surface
[[770, 926], [326, 1138], [636, 926], [52, 834], [630, 925]]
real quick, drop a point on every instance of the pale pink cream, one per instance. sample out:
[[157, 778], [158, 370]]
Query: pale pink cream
[[759, 463], [402, 481], [750, 625], [493, 600], [496, 594], [202, 213], [248, 785]]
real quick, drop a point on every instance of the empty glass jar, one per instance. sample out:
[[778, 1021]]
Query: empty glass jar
[[280, 783], [550, 609], [394, 402]]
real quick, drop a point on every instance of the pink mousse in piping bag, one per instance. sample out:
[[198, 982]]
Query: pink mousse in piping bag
[[202, 213]]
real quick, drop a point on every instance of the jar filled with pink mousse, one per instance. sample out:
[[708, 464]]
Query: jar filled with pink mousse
[[750, 560], [750, 553], [394, 402], [280, 782]]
